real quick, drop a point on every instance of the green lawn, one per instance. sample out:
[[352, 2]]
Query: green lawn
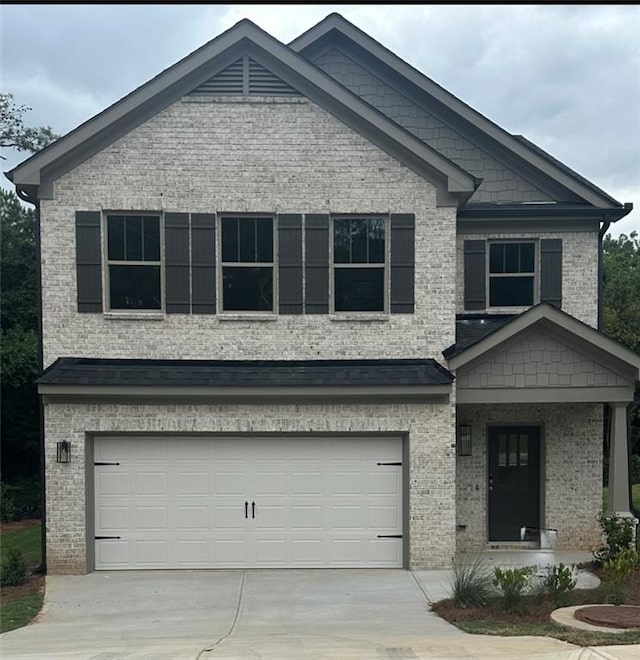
[[19, 610], [635, 496], [27, 540]]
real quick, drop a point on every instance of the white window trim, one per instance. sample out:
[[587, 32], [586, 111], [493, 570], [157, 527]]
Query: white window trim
[[106, 288], [249, 315], [368, 315], [513, 309]]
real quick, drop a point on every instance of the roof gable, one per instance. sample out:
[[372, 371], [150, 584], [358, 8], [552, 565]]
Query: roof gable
[[210, 63], [541, 169]]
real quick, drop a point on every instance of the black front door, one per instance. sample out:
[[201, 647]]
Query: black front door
[[514, 481]]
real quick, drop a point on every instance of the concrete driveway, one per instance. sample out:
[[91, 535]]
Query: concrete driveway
[[278, 615]]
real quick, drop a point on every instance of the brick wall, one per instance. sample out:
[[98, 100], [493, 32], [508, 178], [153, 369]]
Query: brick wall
[[571, 472], [579, 269], [431, 470], [247, 155]]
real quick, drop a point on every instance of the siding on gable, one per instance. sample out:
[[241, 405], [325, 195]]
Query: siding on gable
[[233, 155], [500, 183]]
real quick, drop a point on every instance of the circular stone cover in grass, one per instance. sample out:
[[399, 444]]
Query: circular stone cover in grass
[[616, 616]]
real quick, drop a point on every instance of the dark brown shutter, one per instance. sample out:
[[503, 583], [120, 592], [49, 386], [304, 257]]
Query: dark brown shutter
[[402, 262], [475, 296], [316, 241], [88, 261], [290, 264], [176, 262], [203, 263], [551, 271]]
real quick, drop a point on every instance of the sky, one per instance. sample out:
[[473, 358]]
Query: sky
[[567, 77]]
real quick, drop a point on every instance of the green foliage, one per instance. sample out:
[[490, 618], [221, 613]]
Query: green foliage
[[28, 539], [471, 584], [559, 581], [618, 533], [13, 570], [512, 582], [7, 506], [14, 134], [17, 612], [618, 569]]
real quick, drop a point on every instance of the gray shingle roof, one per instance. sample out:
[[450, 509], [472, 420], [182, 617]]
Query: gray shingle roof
[[472, 328], [254, 373]]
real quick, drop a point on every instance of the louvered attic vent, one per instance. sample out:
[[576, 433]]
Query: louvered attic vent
[[242, 78]]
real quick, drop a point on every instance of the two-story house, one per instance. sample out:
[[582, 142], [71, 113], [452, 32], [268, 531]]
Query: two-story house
[[302, 307]]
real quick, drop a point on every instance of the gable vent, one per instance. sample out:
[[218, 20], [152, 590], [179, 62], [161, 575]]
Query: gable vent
[[244, 77]]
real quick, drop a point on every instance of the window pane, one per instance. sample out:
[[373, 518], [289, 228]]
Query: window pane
[[512, 258], [115, 237], [151, 238], [511, 291], [341, 242], [133, 238], [496, 258], [502, 450], [247, 289], [527, 258], [265, 239], [134, 287], [376, 241], [230, 239], [524, 450], [359, 289], [513, 450], [358, 241], [247, 239]]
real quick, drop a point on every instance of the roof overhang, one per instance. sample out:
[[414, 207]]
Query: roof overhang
[[35, 176], [580, 335], [510, 146]]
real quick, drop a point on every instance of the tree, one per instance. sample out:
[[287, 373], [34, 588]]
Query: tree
[[621, 311], [14, 134]]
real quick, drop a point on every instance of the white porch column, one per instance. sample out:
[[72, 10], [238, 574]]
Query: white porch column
[[618, 501]]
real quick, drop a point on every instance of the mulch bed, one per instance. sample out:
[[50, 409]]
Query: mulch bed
[[620, 616], [33, 584]]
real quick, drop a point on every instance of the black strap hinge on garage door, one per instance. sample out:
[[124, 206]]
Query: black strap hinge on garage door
[[389, 536], [106, 463], [104, 538], [389, 463]]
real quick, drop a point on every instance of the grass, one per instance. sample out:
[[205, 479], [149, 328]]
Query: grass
[[21, 604]]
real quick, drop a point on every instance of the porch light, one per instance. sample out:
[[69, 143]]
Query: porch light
[[464, 440], [63, 453]]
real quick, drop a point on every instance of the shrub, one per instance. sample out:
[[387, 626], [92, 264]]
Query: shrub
[[618, 569], [7, 506], [559, 581], [13, 570], [471, 584], [618, 534], [512, 583]]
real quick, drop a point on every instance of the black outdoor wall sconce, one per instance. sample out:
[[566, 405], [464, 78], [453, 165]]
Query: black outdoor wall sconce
[[63, 453]]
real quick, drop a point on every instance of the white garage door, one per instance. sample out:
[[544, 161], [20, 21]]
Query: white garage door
[[196, 502]]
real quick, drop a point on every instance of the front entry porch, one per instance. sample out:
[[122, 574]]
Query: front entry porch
[[531, 395]]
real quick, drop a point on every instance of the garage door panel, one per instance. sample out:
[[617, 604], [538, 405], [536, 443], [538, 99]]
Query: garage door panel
[[319, 501]]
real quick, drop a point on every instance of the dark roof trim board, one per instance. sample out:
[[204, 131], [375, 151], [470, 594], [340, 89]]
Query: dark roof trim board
[[36, 174], [80, 377], [516, 146], [581, 336]]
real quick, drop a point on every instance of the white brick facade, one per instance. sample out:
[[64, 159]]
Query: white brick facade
[[571, 470], [428, 428]]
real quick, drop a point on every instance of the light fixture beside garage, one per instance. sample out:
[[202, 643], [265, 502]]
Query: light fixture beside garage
[[464, 440], [63, 453]]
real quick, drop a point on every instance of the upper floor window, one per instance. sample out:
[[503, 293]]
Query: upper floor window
[[359, 264], [512, 274], [134, 262], [247, 264]]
